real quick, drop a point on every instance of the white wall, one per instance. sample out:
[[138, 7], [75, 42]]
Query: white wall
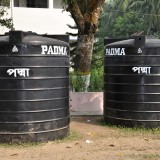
[[86, 103], [50, 21], [40, 20]]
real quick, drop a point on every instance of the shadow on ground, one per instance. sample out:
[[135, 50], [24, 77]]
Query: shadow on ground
[[94, 120]]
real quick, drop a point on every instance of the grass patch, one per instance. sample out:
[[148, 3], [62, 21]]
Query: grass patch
[[151, 156], [131, 129], [21, 145], [73, 136]]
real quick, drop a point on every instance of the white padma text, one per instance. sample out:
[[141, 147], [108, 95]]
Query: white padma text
[[142, 70], [22, 72], [115, 51], [54, 50]]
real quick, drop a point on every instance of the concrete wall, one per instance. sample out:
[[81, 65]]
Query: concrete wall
[[86, 103]]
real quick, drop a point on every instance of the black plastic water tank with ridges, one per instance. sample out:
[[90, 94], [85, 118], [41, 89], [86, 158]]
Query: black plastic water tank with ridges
[[132, 82], [34, 88]]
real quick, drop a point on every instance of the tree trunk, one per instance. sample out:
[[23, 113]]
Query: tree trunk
[[84, 58], [84, 53], [85, 14]]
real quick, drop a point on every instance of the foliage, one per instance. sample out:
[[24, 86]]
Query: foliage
[[77, 83], [85, 14], [97, 60], [128, 24], [123, 24], [96, 82], [118, 21], [7, 22], [4, 3], [66, 2], [149, 9]]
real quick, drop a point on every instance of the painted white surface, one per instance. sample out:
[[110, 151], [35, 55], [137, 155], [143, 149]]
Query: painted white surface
[[86, 103], [40, 20]]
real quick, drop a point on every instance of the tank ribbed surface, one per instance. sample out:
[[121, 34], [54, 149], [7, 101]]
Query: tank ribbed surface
[[34, 88], [132, 82]]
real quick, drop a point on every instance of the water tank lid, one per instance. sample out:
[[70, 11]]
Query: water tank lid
[[139, 41], [29, 38]]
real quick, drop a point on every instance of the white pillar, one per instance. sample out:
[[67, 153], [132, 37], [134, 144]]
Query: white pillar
[[11, 8], [50, 2]]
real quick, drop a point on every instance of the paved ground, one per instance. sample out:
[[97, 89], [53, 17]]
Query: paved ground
[[90, 139]]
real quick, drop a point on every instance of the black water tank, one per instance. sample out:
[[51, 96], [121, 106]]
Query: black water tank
[[34, 88], [132, 82]]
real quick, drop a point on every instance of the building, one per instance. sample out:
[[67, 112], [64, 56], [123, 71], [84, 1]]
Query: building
[[40, 16]]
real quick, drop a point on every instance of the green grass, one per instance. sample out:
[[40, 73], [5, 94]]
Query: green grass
[[151, 156], [132, 129], [21, 145], [73, 136], [146, 156]]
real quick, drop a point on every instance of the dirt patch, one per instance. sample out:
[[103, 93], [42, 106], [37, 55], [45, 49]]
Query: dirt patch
[[90, 139]]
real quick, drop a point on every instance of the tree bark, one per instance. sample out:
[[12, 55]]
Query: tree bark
[[85, 14], [84, 53], [84, 59]]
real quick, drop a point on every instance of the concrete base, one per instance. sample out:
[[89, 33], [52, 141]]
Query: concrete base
[[86, 103]]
